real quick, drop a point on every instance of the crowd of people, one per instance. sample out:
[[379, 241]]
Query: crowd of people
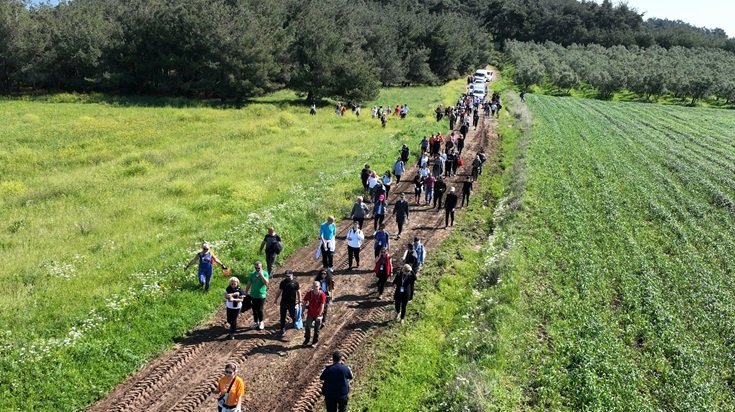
[[439, 159]]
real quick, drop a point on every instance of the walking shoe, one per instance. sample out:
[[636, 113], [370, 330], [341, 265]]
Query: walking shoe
[[306, 343], [398, 316], [402, 321], [261, 326], [281, 333], [313, 345], [231, 336], [254, 326]]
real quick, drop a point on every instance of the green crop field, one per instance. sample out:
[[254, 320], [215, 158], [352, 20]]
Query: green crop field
[[104, 203], [624, 261]]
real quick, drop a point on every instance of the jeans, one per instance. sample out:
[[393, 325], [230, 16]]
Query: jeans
[[336, 405], [258, 314], [291, 309], [307, 327], [205, 276], [429, 194]]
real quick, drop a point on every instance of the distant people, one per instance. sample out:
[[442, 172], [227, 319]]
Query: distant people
[[387, 182], [383, 120], [312, 109], [230, 390], [450, 204], [410, 257], [355, 237], [383, 269], [424, 145], [440, 187], [290, 296], [475, 119], [325, 277], [359, 211], [523, 95], [205, 257], [336, 386], [400, 212], [466, 191], [314, 302], [234, 296], [257, 289], [418, 186], [328, 236], [429, 188], [405, 154], [403, 293], [379, 209], [273, 245]]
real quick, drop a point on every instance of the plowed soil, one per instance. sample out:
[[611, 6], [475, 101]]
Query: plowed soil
[[279, 373]]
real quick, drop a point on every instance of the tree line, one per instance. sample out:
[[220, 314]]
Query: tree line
[[233, 49], [651, 72]]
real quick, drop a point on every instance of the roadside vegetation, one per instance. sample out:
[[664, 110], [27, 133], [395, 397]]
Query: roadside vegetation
[[103, 204]]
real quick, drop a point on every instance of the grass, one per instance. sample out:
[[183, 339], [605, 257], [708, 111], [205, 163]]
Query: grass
[[104, 200]]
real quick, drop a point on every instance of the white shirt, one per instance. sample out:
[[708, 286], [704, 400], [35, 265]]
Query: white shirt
[[355, 237]]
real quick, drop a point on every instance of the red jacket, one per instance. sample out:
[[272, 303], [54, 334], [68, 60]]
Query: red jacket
[[314, 303], [384, 260]]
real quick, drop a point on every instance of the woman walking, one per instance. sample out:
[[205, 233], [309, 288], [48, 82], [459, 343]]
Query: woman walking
[[257, 288], [230, 390], [205, 257], [379, 212], [404, 282], [383, 269], [326, 281], [355, 237], [234, 296], [359, 211]]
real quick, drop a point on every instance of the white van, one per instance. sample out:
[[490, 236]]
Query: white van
[[485, 75]]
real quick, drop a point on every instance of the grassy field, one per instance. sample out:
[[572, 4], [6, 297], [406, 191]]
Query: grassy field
[[104, 203], [614, 272]]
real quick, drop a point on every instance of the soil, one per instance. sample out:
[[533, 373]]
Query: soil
[[280, 374]]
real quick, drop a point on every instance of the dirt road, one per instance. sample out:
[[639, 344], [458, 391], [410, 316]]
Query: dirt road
[[280, 374]]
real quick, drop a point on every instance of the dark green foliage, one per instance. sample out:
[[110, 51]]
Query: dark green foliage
[[233, 49], [651, 72]]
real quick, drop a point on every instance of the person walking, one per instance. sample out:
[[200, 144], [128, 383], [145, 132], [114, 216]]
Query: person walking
[[387, 181], [405, 154], [359, 211], [475, 119], [410, 257], [257, 289], [336, 386], [420, 250], [466, 191], [381, 240], [230, 390], [364, 176], [234, 296], [424, 145], [273, 246], [328, 236], [399, 167], [379, 210], [450, 205], [418, 186], [429, 188], [400, 212], [403, 293], [290, 295], [205, 257], [383, 270], [314, 302], [440, 187], [312, 109], [326, 281], [355, 237]]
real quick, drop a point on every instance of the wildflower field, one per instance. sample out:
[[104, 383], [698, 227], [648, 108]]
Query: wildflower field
[[104, 200], [623, 260]]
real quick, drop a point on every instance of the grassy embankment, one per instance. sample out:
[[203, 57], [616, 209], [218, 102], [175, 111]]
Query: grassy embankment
[[615, 275], [103, 204]]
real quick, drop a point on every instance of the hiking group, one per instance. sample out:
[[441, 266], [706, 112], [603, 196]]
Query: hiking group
[[438, 161]]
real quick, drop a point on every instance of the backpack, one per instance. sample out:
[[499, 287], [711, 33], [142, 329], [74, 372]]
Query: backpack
[[277, 247]]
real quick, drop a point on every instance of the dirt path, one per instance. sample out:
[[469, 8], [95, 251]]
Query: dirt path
[[280, 374]]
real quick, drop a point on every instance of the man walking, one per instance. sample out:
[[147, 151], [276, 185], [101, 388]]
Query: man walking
[[288, 290], [336, 386], [315, 302], [439, 189], [273, 246], [450, 205], [400, 211]]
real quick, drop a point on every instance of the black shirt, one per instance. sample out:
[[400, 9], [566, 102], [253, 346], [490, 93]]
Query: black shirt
[[401, 209], [270, 241], [451, 201], [440, 187], [290, 289], [466, 187]]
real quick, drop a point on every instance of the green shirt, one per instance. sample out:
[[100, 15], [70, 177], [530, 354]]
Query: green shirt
[[257, 287]]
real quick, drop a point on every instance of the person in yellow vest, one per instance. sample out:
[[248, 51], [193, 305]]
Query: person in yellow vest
[[230, 390]]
